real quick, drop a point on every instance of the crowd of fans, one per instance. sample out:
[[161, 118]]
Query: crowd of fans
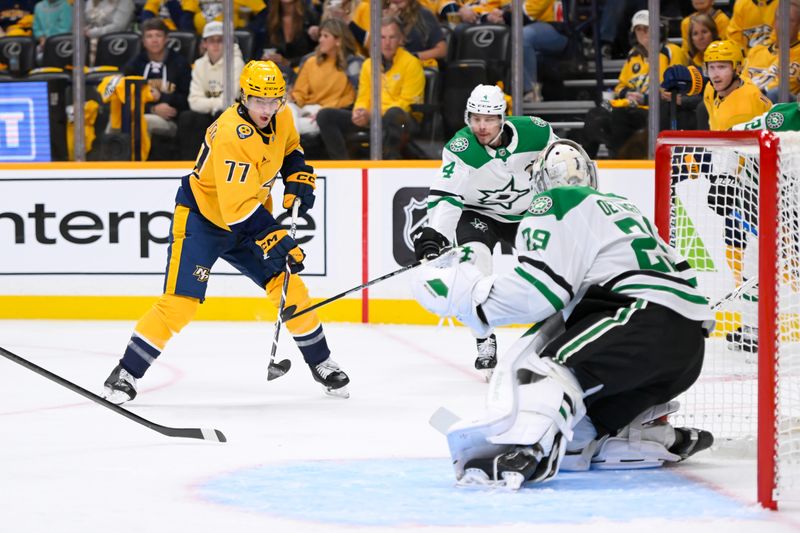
[[321, 48]]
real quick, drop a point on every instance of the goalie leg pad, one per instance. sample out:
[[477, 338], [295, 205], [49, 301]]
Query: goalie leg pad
[[533, 403]]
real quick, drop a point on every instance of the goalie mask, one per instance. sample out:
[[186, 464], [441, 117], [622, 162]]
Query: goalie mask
[[563, 163]]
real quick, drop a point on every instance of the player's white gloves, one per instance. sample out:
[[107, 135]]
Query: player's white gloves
[[457, 291]]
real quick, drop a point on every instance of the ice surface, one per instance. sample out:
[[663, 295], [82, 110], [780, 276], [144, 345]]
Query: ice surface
[[296, 459]]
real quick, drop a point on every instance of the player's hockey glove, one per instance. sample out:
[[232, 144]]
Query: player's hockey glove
[[428, 243], [683, 79], [300, 185], [278, 246]]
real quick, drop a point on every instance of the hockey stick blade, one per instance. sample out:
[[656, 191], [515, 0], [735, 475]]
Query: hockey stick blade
[[213, 435], [276, 370]]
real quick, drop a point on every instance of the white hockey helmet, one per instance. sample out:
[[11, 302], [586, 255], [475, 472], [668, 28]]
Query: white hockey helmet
[[563, 163], [486, 100]]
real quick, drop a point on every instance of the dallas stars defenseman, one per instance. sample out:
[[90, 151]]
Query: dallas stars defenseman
[[587, 387], [483, 188]]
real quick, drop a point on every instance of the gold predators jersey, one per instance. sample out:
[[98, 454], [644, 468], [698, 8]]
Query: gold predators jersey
[[238, 164], [741, 105]]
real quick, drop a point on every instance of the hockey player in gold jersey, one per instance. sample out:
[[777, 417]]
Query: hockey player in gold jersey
[[224, 210], [728, 98]]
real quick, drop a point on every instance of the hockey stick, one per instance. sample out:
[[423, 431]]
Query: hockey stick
[[747, 285], [276, 370], [289, 313], [213, 435]]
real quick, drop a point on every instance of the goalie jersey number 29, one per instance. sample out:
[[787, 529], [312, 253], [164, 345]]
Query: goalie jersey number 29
[[575, 237]]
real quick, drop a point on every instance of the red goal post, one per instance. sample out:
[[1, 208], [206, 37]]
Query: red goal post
[[690, 168]]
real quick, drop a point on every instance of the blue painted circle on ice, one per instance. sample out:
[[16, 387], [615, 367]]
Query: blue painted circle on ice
[[402, 492]]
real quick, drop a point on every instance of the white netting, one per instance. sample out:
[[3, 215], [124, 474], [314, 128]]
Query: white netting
[[714, 223]]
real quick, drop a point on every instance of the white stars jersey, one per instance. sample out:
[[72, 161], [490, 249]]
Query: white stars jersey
[[575, 237], [495, 182]]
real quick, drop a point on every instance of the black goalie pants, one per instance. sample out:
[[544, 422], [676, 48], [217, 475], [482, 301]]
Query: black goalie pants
[[628, 355]]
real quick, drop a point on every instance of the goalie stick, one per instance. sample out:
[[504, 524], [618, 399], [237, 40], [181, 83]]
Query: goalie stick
[[276, 370], [290, 313], [746, 286], [213, 435]]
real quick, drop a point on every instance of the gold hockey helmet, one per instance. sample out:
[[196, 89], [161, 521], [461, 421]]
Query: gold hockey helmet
[[262, 79], [724, 51]]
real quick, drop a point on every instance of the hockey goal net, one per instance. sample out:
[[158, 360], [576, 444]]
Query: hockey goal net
[[730, 203]]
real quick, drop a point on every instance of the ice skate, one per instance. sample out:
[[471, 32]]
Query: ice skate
[[120, 386], [743, 339], [510, 469], [487, 356], [329, 375]]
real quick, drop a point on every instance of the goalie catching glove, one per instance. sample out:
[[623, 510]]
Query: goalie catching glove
[[428, 243], [300, 185], [278, 246]]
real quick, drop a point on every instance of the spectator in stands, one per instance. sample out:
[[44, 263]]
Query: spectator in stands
[[762, 66], [212, 10], [751, 23], [169, 78], [247, 14], [629, 113], [16, 17], [720, 19], [702, 31], [292, 32], [422, 32], [51, 17], [327, 78], [107, 16], [205, 91], [339, 9], [539, 37], [403, 85], [470, 11], [177, 15], [612, 12]]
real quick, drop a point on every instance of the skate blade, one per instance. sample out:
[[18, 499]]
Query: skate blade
[[475, 477], [487, 373], [341, 392]]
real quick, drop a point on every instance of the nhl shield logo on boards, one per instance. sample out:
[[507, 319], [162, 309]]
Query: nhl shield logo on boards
[[409, 214]]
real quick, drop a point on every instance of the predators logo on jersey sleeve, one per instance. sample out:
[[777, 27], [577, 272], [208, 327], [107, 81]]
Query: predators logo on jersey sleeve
[[238, 163]]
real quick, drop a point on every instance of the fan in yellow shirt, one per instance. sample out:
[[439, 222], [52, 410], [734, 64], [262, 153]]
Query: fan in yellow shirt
[[224, 210]]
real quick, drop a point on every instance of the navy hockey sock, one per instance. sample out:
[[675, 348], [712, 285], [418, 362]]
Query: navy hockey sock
[[313, 346], [139, 355]]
